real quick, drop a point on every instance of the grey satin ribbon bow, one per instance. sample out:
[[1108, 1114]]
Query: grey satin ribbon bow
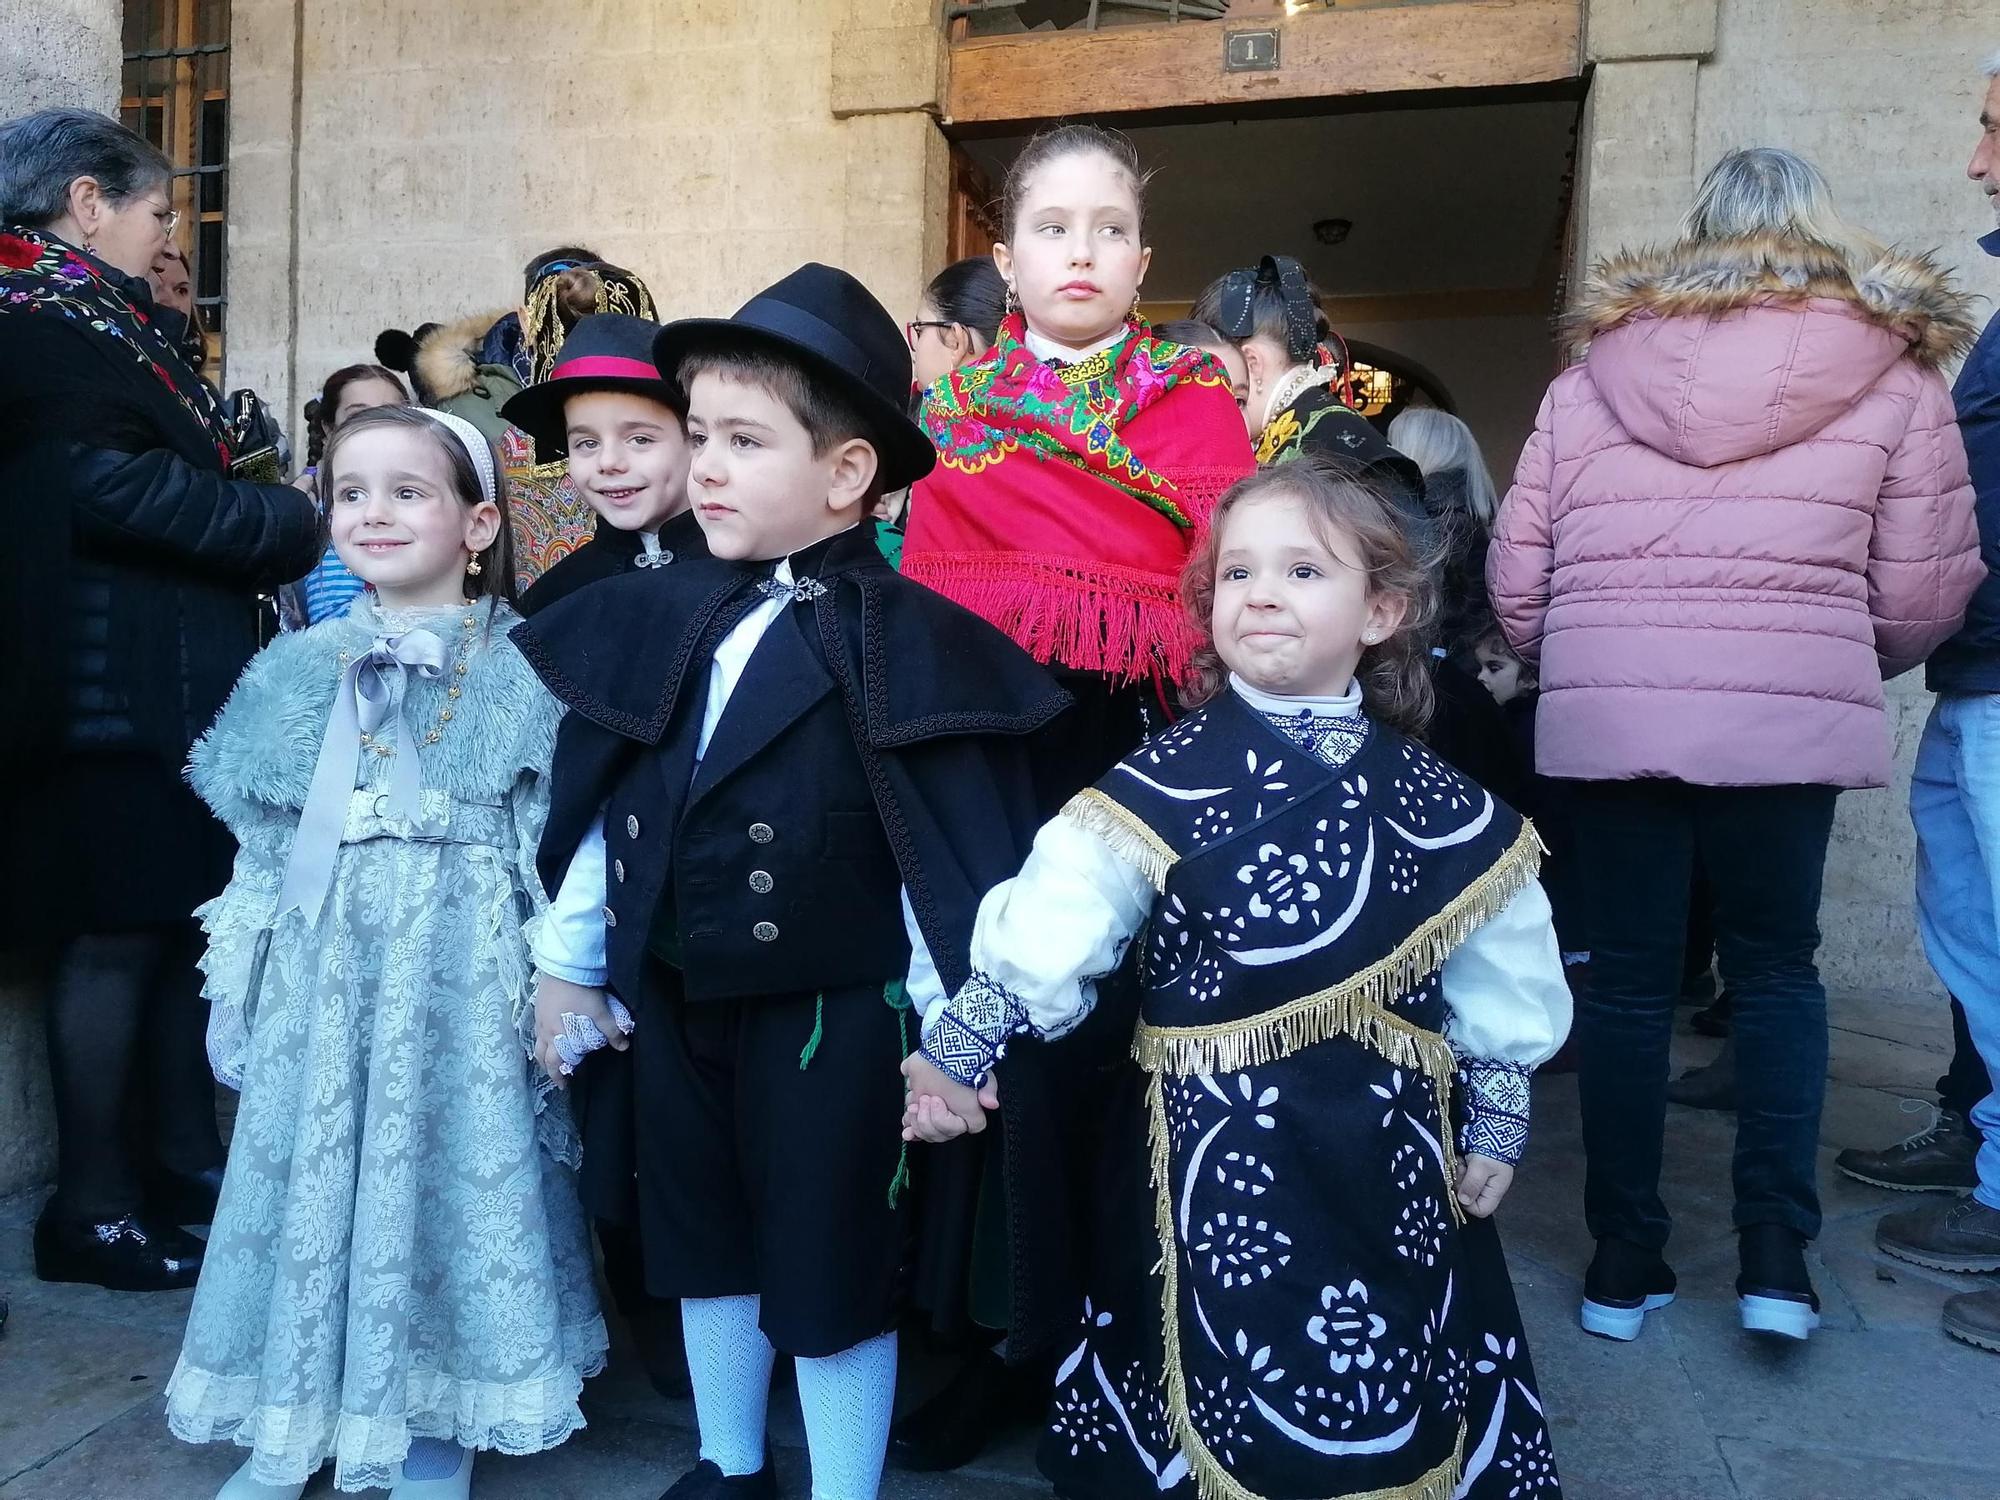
[[361, 705]]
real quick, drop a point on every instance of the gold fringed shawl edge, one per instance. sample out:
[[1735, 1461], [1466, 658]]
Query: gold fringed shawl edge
[[1357, 1007], [1212, 1480], [1127, 834]]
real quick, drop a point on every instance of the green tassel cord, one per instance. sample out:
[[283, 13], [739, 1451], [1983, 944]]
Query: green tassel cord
[[898, 1000], [811, 1048]]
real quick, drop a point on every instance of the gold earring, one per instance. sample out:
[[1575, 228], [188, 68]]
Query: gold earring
[[1013, 299], [473, 567]]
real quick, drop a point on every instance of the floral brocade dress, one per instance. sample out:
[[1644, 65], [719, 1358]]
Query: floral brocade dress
[[398, 1251]]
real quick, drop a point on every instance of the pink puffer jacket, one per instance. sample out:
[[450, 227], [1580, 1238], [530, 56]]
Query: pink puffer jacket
[[1744, 509]]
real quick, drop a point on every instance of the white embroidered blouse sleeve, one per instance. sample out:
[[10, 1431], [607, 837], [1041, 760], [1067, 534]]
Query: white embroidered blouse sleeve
[[1510, 1010], [569, 942], [1038, 943]]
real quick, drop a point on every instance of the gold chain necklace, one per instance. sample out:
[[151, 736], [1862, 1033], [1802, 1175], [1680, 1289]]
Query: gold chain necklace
[[451, 694]]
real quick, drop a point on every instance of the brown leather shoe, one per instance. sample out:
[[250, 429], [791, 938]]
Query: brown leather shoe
[[1962, 1235], [1974, 1318], [1939, 1159]]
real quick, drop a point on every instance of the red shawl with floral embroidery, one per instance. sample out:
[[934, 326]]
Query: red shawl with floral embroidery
[[1065, 501]]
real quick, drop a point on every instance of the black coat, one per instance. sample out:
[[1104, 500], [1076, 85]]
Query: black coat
[[129, 606], [609, 553]]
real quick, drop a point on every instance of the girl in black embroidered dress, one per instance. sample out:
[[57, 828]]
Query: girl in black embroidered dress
[[1349, 974]]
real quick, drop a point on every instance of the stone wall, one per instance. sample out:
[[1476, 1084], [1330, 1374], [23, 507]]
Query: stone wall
[[1883, 95], [709, 145], [68, 57]]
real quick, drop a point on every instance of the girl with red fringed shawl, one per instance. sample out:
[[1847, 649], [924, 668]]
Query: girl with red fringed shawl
[[1079, 461], [1082, 455]]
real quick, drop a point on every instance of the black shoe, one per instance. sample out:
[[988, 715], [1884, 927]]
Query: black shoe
[[132, 1254], [1940, 1159], [184, 1197], [1623, 1284], [954, 1427], [1715, 1018], [707, 1482], [1709, 1087], [1775, 1294], [656, 1330]]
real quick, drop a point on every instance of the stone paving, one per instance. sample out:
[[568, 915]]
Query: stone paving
[[1878, 1405]]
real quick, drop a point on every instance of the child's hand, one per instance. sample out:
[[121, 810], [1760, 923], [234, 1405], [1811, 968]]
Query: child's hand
[[1482, 1183], [940, 1108], [553, 997]]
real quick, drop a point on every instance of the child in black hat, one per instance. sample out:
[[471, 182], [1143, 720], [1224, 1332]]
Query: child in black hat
[[622, 425], [761, 833]]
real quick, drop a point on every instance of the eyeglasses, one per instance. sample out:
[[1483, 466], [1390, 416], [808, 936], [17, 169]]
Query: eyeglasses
[[169, 218], [914, 327]]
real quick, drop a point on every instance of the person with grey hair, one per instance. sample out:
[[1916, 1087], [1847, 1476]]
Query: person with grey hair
[[1742, 510], [128, 607], [1459, 498], [1955, 804]]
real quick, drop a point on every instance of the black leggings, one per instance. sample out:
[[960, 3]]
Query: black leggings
[[126, 1024]]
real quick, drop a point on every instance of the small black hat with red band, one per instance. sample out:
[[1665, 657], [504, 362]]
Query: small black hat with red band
[[606, 352]]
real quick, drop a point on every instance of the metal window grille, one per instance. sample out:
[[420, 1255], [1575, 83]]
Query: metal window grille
[[176, 94]]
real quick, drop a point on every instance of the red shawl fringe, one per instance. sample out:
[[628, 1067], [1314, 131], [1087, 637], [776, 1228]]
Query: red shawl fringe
[[1090, 616]]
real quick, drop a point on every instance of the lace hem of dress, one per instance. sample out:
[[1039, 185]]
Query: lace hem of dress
[[289, 1443]]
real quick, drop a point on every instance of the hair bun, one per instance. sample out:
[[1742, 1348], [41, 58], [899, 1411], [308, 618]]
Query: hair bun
[[577, 293], [396, 348]]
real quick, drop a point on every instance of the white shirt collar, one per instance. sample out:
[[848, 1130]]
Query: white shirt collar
[[1342, 706], [1047, 349]]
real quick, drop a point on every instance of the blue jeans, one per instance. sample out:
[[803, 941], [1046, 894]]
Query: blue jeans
[[1955, 803], [1764, 851]]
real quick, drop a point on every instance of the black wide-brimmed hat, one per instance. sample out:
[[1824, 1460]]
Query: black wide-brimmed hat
[[834, 327], [604, 352]]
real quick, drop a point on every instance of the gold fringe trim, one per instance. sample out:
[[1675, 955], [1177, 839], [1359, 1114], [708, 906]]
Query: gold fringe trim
[[1212, 1480], [1129, 837], [1357, 1006]]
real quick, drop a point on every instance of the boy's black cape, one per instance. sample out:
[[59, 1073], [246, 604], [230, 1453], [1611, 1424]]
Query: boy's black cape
[[943, 712]]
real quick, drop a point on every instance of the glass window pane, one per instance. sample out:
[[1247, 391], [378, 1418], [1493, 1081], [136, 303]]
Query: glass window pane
[[212, 317], [211, 192], [213, 25], [208, 260], [212, 141]]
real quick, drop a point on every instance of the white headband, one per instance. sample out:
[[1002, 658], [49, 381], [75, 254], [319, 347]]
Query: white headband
[[473, 441]]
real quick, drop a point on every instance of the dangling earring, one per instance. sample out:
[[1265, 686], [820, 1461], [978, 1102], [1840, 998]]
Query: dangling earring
[[473, 567], [1133, 311], [1013, 300]]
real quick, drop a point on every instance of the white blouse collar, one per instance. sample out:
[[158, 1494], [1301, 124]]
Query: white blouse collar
[[1046, 349], [1345, 705]]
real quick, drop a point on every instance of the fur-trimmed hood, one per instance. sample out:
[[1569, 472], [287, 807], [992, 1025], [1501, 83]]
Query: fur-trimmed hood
[[446, 364], [1715, 351], [1909, 295]]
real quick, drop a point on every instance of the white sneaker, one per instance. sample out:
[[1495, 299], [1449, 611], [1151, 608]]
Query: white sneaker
[[456, 1485], [240, 1486]]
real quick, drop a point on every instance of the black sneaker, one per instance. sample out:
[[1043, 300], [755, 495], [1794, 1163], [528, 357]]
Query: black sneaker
[[1775, 1294], [1623, 1284], [706, 1481], [1938, 1159]]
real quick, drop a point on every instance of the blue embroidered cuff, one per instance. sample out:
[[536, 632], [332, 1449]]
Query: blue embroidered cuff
[[1496, 1108], [968, 1035]]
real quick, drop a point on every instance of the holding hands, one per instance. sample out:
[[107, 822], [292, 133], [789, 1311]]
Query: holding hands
[[572, 1021], [939, 1108]]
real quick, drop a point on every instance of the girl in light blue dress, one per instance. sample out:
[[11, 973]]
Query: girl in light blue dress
[[398, 1272]]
